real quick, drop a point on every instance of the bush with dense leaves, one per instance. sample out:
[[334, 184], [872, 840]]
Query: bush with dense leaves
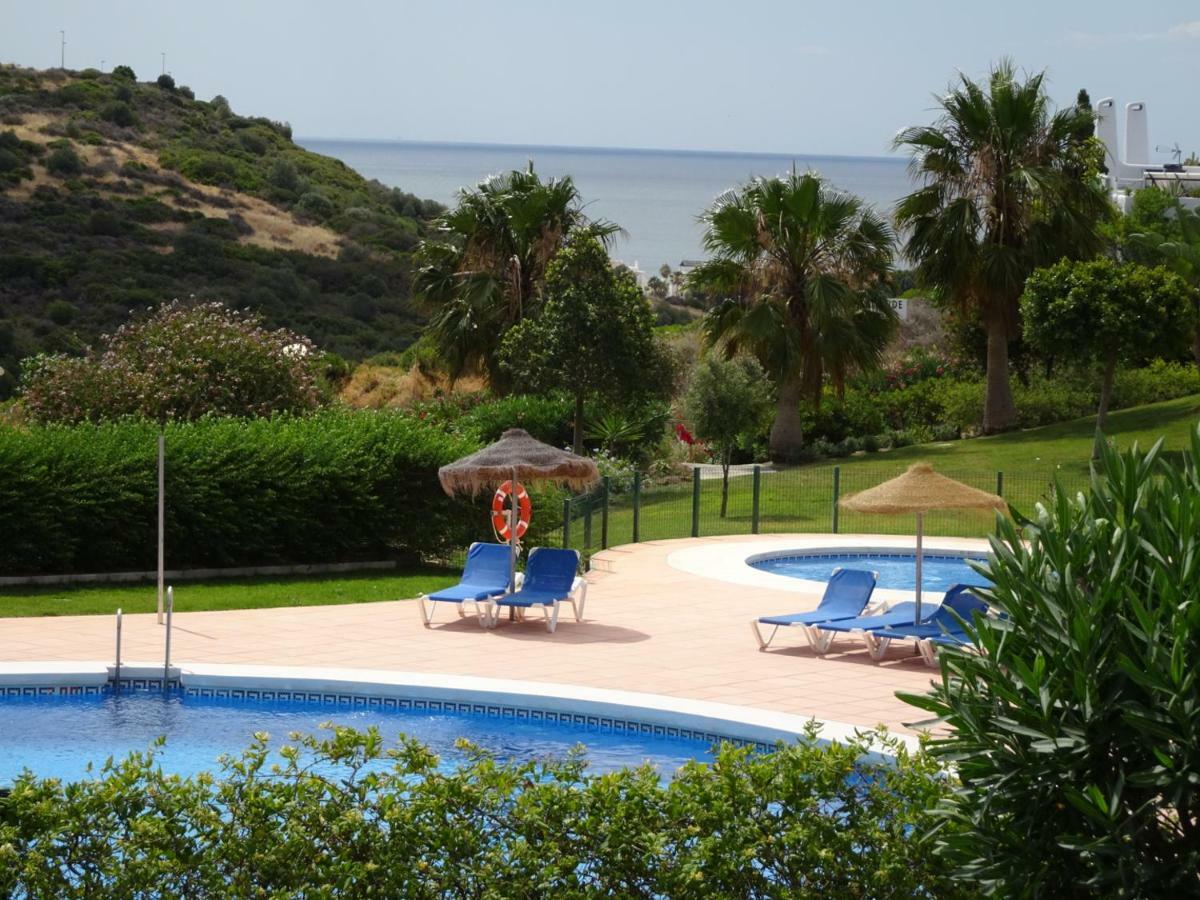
[[182, 362], [64, 161], [345, 816], [329, 487], [1075, 728]]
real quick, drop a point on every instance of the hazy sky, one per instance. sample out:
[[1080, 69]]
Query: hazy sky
[[756, 75]]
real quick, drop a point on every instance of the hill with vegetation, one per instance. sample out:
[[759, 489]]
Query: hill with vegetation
[[118, 195]]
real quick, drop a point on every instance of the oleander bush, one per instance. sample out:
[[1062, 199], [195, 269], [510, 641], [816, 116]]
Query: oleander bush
[[343, 816], [328, 487], [1075, 731]]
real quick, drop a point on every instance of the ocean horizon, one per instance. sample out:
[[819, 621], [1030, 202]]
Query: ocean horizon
[[655, 195]]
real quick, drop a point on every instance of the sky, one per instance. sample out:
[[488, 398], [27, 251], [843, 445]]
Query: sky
[[768, 76]]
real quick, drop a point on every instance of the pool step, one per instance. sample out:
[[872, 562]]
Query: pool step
[[608, 560]]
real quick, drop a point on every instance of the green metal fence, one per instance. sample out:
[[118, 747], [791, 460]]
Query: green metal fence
[[763, 500]]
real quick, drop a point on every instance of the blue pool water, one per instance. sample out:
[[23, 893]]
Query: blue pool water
[[57, 736], [896, 570]]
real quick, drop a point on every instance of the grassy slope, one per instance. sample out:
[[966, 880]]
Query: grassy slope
[[801, 499], [242, 593]]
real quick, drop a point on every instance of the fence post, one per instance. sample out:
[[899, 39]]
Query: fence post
[[754, 502], [566, 522], [587, 521], [837, 492], [637, 506], [999, 483], [607, 485], [696, 502]]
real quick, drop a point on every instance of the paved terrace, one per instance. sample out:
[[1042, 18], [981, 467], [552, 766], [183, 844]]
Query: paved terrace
[[649, 626]]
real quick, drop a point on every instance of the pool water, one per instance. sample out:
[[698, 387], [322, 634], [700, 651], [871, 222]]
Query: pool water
[[939, 572], [57, 736]]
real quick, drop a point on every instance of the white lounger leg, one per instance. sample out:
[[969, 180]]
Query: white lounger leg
[[819, 639], [876, 646], [762, 644], [928, 652], [578, 597], [425, 607], [551, 618]]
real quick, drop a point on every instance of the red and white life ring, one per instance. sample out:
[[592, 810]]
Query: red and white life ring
[[500, 515]]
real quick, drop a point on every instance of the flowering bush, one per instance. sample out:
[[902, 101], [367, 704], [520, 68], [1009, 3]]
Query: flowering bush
[[182, 362]]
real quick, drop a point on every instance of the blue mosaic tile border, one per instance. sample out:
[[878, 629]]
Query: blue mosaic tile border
[[520, 713], [130, 685]]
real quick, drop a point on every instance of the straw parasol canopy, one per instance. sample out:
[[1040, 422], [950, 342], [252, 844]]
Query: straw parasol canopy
[[520, 456], [918, 491]]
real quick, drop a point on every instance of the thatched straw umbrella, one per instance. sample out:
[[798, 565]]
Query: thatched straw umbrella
[[920, 490], [517, 457]]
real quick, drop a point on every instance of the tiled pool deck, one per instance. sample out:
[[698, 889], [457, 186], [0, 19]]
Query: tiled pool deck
[[650, 626]]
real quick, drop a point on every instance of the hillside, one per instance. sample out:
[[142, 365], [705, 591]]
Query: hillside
[[116, 195]]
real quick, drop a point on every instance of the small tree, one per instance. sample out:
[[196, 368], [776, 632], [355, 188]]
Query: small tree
[[1106, 313], [727, 404], [183, 362], [593, 337], [124, 73], [165, 81]]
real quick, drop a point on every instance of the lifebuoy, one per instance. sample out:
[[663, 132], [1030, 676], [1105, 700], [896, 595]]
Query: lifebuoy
[[500, 515]]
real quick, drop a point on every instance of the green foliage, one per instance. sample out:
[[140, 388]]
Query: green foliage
[[1075, 730], [594, 335], [119, 113], [726, 406], [64, 161], [165, 81], [124, 73], [347, 816], [545, 416], [324, 488], [183, 362]]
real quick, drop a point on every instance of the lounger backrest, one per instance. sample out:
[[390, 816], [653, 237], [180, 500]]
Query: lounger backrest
[[848, 592], [551, 571], [487, 565], [959, 599]]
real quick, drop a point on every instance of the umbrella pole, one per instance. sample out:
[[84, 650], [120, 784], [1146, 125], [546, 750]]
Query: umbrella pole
[[512, 534], [920, 530]]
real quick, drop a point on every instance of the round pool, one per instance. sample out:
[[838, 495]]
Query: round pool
[[939, 570], [58, 735]]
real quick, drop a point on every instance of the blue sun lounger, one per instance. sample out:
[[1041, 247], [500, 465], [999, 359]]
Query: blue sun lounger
[[549, 582], [943, 626], [846, 596], [484, 576]]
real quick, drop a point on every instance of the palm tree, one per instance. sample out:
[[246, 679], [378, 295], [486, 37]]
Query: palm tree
[[1002, 192], [484, 272], [802, 267]]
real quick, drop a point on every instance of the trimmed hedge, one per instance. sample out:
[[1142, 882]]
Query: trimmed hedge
[[335, 486]]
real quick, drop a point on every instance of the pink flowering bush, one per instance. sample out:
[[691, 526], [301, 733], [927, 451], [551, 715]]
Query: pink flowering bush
[[184, 361]]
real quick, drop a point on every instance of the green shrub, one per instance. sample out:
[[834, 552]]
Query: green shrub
[[124, 73], [347, 816], [64, 161], [546, 417], [315, 205], [119, 113], [165, 81], [1076, 728], [325, 488]]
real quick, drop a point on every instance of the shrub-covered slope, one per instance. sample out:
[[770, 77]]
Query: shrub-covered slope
[[117, 195]]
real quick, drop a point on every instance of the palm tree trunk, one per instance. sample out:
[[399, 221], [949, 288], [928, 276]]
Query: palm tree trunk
[[999, 411], [787, 433], [577, 441]]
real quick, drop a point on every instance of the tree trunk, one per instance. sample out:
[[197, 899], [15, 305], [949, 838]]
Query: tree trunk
[[787, 433], [999, 412], [1196, 346], [577, 441], [1106, 389], [725, 459]]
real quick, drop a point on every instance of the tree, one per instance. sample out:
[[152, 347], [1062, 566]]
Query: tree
[[124, 73], [1106, 313], [1176, 245], [182, 362], [1005, 188], [594, 335], [484, 273], [165, 81], [802, 268], [727, 403]]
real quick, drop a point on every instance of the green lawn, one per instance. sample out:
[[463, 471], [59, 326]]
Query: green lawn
[[801, 498], [225, 593]]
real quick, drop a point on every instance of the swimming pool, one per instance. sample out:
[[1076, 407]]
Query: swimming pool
[[57, 735], [897, 571]]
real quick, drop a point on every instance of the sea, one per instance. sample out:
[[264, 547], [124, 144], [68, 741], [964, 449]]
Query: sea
[[656, 196]]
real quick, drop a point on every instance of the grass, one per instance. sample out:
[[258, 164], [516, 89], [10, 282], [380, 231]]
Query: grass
[[224, 593], [800, 499]]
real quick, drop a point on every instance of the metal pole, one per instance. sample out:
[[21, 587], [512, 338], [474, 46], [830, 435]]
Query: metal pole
[[512, 533], [167, 654], [162, 466], [637, 506], [587, 521], [117, 667], [607, 484], [696, 502], [920, 534], [755, 496], [999, 483], [837, 492], [567, 522]]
